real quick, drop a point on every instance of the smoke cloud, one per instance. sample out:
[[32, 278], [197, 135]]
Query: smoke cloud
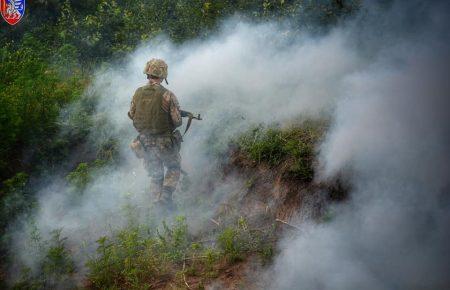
[[382, 77], [391, 132]]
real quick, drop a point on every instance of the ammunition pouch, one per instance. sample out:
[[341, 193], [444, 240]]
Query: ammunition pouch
[[144, 143]]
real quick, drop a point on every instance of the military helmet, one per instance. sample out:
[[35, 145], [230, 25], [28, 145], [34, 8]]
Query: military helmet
[[156, 68]]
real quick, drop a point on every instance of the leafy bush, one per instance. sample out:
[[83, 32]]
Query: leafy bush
[[31, 96], [58, 260], [80, 177], [174, 241], [230, 244], [15, 199]]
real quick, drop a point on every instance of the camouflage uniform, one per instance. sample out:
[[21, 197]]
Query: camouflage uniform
[[156, 114]]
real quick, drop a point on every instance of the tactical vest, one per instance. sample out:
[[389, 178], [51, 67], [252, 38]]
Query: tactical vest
[[149, 117]]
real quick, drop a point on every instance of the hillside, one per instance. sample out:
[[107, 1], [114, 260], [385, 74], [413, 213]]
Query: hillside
[[241, 238]]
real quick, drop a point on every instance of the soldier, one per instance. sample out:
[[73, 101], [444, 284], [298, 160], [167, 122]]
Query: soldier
[[156, 114]]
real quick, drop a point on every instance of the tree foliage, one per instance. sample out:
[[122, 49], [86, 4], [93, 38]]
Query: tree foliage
[[31, 96]]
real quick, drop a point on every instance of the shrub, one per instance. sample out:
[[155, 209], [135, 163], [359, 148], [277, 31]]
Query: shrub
[[236, 242], [230, 244], [58, 260], [174, 241], [263, 145], [14, 200], [133, 257], [80, 177], [31, 96], [55, 268]]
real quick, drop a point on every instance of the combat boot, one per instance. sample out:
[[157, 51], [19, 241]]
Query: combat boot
[[167, 198]]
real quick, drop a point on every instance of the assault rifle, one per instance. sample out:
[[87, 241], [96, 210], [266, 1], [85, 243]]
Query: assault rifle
[[190, 117]]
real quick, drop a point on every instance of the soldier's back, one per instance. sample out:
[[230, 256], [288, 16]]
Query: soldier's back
[[149, 116]]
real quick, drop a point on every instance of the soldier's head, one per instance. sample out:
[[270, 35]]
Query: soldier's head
[[156, 70]]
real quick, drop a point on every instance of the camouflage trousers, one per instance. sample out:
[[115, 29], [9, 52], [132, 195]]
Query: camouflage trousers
[[162, 152]]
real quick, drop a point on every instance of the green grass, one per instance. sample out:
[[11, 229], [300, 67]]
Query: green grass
[[135, 257], [139, 255], [274, 145]]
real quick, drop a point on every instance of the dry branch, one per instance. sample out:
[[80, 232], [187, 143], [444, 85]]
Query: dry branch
[[184, 276], [214, 221], [288, 224]]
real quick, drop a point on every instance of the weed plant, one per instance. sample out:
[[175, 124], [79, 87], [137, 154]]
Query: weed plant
[[55, 268], [135, 258]]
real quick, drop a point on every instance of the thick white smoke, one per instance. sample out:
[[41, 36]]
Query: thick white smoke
[[391, 131], [388, 93]]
